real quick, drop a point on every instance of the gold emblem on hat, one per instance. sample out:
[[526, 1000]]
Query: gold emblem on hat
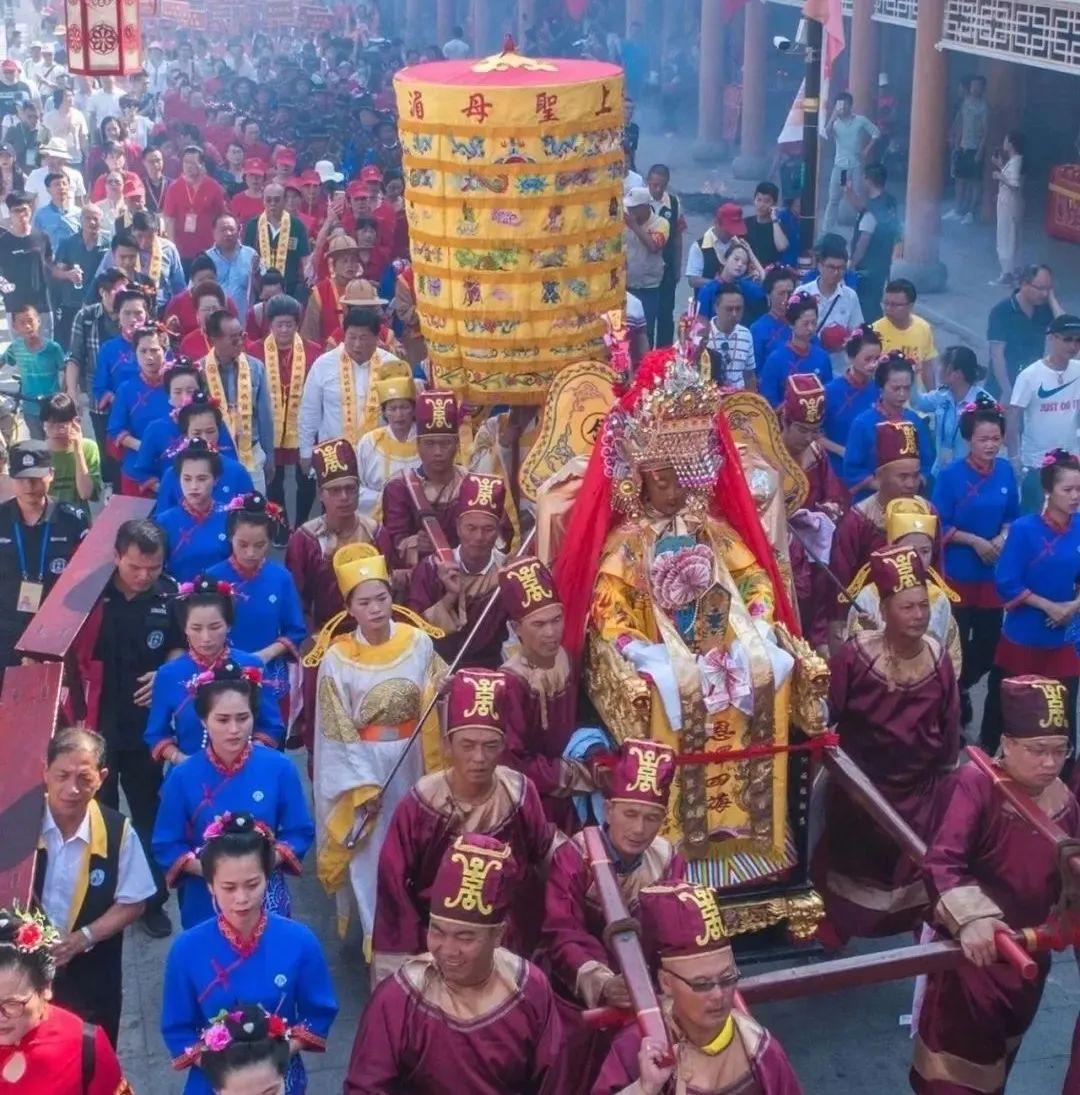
[[646, 780], [485, 491], [705, 903], [484, 692], [439, 418], [1054, 693], [529, 577]]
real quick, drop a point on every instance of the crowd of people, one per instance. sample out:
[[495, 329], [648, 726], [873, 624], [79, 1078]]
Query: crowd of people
[[206, 271]]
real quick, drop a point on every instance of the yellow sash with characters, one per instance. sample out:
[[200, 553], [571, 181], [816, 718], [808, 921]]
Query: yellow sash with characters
[[157, 257], [273, 259], [238, 418], [285, 409]]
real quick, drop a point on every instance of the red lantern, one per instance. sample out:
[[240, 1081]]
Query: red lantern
[[103, 37]]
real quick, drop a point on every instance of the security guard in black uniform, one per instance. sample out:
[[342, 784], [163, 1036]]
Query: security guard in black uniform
[[37, 540], [129, 634]]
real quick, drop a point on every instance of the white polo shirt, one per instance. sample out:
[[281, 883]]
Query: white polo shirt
[[134, 882]]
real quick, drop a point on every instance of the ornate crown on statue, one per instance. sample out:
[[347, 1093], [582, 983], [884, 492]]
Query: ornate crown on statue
[[665, 420]]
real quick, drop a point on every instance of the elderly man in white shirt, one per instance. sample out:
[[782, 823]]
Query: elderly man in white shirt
[[91, 878], [326, 410]]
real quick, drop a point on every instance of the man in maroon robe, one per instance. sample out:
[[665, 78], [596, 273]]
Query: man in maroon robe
[[475, 794], [542, 695], [987, 871], [862, 529], [436, 482], [717, 1049], [573, 948], [468, 1015], [814, 523], [453, 595], [895, 703], [310, 551]]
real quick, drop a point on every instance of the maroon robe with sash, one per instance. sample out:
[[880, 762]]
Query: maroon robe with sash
[[425, 824], [400, 520], [573, 953], [984, 861], [860, 531], [425, 594], [753, 1064], [904, 734], [813, 588], [540, 714], [414, 1038]]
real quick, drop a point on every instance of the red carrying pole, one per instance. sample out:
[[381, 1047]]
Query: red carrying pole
[[620, 935]]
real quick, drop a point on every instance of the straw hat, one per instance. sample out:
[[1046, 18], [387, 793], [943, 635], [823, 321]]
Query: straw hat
[[361, 293]]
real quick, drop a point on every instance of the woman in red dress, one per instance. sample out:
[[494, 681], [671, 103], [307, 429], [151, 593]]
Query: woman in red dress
[[43, 1047]]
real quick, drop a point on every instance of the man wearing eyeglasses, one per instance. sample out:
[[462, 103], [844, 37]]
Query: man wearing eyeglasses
[[988, 871], [1044, 409], [839, 310], [730, 344], [1016, 327], [716, 1048]]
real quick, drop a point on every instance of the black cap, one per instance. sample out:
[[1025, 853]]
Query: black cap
[[1064, 325], [29, 460]]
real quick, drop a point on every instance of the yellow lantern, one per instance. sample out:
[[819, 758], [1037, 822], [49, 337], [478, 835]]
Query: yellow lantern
[[514, 182]]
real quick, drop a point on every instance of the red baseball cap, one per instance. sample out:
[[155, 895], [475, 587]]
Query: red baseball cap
[[292, 183], [310, 178], [356, 189], [254, 166], [730, 219], [283, 155], [10, 65], [133, 187], [371, 174]]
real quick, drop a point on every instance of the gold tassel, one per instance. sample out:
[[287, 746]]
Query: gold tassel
[[419, 622], [857, 583], [316, 654], [943, 586]]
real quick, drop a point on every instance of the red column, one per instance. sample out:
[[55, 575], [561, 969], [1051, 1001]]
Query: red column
[[753, 161], [711, 83], [1004, 94], [863, 57], [926, 165]]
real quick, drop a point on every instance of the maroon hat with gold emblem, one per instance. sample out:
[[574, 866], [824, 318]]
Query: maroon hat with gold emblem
[[896, 441], [474, 700], [436, 414], [525, 586], [681, 921], [643, 773], [896, 568], [482, 494], [804, 399], [1034, 707], [472, 884], [333, 461]]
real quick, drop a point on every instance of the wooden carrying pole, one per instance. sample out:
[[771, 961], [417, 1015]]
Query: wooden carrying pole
[[428, 521], [621, 937], [364, 812], [30, 700]]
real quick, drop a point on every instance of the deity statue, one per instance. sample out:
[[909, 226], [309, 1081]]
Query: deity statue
[[690, 636]]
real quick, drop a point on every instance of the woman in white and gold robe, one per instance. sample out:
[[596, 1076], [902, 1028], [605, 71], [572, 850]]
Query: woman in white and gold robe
[[373, 685], [390, 448]]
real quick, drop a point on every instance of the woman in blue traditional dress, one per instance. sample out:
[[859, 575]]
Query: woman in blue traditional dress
[[174, 731], [232, 775], [269, 617], [195, 529], [244, 954]]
